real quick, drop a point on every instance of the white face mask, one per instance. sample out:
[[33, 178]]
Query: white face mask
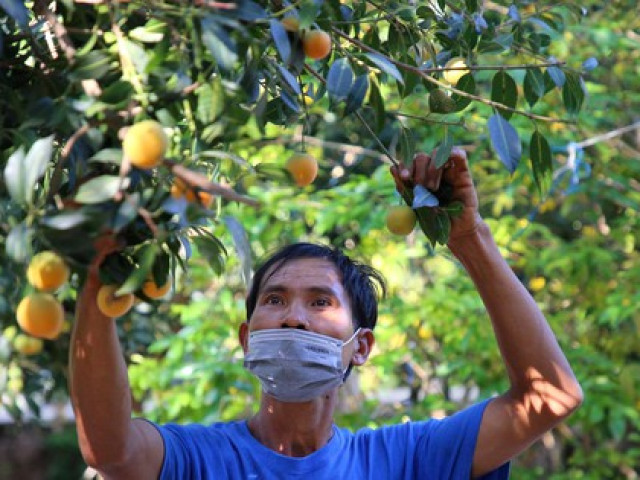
[[295, 365]]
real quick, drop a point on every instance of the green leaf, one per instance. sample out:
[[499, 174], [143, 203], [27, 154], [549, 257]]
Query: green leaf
[[18, 243], [127, 212], [435, 224], [534, 87], [116, 93], [444, 150], [22, 172], [407, 145], [505, 91], [210, 101], [219, 43], [357, 94], [146, 256], [377, 104], [340, 79], [505, 141], [467, 84], [108, 155], [540, 154], [101, 189], [94, 65], [65, 220], [308, 13], [281, 39], [290, 80], [212, 251], [385, 65], [572, 93], [241, 244]]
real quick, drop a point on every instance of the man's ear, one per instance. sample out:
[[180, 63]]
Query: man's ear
[[364, 342], [243, 336]]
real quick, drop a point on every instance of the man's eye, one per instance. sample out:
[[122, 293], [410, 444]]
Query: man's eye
[[272, 300], [322, 302]]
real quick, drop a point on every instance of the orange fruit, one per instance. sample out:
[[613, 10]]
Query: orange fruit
[[145, 144], [453, 76], [27, 345], [47, 271], [41, 315], [316, 44], [303, 167], [180, 189], [151, 290], [401, 220], [111, 305]]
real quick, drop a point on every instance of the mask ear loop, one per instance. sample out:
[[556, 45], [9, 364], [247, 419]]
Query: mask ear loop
[[350, 367]]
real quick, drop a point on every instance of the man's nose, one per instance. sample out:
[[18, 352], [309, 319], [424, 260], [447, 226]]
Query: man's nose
[[295, 317]]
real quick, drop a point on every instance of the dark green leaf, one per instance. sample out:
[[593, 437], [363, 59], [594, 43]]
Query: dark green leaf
[[117, 92], [385, 65], [101, 189], [65, 220], [467, 84], [127, 212], [540, 154], [444, 150], [377, 103], [340, 79], [241, 244], [22, 172], [16, 10], [534, 87], [357, 94], [146, 257], [212, 251], [308, 13], [435, 224], [504, 91], [281, 39], [219, 43], [505, 141], [572, 93], [93, 65], [290, 80], [556, 73]]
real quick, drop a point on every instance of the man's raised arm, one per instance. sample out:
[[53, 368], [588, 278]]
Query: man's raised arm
[[110, 440]]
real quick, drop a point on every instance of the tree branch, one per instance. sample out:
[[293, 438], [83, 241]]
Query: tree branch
[[429, 78]]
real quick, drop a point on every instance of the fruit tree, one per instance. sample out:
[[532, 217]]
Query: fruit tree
[[166, 126]]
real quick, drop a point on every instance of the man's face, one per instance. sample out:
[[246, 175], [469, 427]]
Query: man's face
[[304, 293]]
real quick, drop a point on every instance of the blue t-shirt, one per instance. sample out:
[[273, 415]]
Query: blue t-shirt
[[431, 449]]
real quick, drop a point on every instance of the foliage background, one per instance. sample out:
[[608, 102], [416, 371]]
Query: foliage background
[[575, 245]]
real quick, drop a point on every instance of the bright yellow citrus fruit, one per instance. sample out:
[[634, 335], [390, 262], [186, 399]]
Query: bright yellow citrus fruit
[[27, 345], [145, 144], [153, 291], [40, 315], [316, 44], [47, 271], [111, 305]]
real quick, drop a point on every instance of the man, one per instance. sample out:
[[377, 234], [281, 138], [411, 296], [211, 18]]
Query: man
[[310, 318]]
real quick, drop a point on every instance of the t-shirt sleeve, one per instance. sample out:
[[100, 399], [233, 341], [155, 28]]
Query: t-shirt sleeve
[[447, 451]]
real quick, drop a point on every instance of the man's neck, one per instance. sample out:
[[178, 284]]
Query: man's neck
[[294, 429]]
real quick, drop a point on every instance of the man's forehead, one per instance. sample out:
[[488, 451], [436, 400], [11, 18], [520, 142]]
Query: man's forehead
[[302, 271]]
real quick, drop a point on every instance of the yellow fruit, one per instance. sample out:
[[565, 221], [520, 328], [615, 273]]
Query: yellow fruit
[[27, 345], [290, 24], [151, 290], [145, 144], [111, 305], [401, 220], [316, 44], [47, 271], [453, 76], [303, 167], [537, 283], [41, 315]]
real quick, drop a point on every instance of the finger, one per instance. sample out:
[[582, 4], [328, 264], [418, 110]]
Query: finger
[[434, 174], [457, 165], [420, 167], [400, 176]]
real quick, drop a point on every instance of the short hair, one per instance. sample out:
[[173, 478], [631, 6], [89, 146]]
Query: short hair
[[362, 283]]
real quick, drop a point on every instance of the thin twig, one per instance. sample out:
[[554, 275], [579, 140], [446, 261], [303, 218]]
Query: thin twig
[[380, 144], [56, 176], [462, 93]]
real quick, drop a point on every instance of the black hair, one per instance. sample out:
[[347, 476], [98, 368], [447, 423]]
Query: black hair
[[363, 284]]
